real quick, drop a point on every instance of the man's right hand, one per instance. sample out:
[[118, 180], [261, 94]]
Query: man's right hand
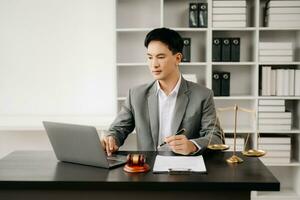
[[109, 144]]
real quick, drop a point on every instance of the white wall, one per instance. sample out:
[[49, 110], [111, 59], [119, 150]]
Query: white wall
[[57, 62]]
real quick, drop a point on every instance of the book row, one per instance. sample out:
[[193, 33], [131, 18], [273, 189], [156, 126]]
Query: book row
[[276, 52], [280, 82], [282, 14], [198, 15], [229, 14], [226, 49]]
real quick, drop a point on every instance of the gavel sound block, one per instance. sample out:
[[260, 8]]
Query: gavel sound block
[[136, 163]]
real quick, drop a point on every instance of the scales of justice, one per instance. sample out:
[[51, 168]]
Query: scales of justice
[[221, 147]]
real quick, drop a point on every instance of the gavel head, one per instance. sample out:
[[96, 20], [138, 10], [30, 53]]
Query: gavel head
[[135, 160]]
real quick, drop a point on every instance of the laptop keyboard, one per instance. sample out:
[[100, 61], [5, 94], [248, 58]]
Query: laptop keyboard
[[116, 159]]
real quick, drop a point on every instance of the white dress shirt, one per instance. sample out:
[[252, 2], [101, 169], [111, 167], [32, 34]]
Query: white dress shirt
[[166, 113]]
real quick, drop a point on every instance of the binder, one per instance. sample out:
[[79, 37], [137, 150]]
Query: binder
[[216, 83], [216, 50], [225, 50], [202, 20], [225, 84], [193, 15], [235, 49], [186, 51]]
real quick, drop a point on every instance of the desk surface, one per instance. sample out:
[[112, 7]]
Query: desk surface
[[41, 170]]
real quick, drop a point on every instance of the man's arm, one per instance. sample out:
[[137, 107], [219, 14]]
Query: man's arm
[[123, 124], [210, 126]]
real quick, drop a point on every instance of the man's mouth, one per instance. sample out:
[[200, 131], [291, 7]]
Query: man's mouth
[[156, 72]]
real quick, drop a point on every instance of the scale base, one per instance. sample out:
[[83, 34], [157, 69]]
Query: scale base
[[234, 159]]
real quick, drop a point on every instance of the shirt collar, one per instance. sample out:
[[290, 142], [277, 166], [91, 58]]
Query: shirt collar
[[174, 91]]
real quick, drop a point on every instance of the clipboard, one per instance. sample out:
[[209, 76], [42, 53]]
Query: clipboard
[[179, 164]]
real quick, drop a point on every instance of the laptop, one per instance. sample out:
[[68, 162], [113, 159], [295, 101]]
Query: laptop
[[80, 144]]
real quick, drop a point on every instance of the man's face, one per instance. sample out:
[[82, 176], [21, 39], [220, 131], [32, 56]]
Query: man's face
[[163, 64]]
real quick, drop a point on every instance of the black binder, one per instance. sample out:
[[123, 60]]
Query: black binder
[[225, 52], [216, 83], [193, 15], [186, 51], [216, 49], [235, 49], [202, 21], [225, 84]]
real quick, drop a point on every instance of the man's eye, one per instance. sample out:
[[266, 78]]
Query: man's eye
[[161, 57], [149, 58]]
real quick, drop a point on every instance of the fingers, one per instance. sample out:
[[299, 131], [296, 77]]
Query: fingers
[[109, 144]]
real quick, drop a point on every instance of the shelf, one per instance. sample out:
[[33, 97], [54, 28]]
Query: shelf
[[190, 29], [279, 29], [121, 98], [235, 29], [131, 64], [134, 29], [284, 194], [279, 63], [280, 97], [234, 98], [192, 63], [294, 131], [233, 63]]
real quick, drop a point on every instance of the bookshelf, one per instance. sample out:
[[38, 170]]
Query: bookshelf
[[135, 19]]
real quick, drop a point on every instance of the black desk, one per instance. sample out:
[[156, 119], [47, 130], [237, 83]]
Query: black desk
[[38, 175]]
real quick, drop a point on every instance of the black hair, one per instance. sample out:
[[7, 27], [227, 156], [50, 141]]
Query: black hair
[[167, 36]]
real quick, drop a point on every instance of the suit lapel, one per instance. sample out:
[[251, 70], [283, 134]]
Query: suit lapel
[[153, 114], [180, 106]]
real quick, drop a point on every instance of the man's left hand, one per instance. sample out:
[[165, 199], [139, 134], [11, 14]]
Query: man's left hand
[[180, 144]]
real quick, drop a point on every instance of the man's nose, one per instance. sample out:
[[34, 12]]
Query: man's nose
[[154, 63]]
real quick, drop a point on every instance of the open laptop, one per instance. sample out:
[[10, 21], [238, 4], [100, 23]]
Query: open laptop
[[79, 144]]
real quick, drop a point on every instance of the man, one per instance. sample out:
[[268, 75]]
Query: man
[[159, 109]]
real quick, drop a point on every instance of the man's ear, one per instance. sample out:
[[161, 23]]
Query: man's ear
[[178, 57]]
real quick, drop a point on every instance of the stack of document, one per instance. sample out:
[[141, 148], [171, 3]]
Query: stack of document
[[229, 14], [166, 164], [281, 13], [275, 51]]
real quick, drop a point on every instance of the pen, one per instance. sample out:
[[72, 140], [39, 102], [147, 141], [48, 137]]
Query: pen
[[178, 133]]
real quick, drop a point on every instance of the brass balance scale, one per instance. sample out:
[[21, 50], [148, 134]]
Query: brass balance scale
[[221, 147]]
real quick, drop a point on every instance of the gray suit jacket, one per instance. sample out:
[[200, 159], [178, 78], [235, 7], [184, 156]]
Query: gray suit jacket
[[194, 111]]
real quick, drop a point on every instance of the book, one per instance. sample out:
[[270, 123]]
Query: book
[[229, 24], [225, 84], [275, 140], [235, 49], [291, 80], [271, 121], [202, 10], [286, 82], [275, 160], [282, 17], [231, 10], [275, 52], [227, 17], [265, 81], [283, 10], [288, 23], [281, 147], [278, 153], [273, 82], [274, 115], [216, 83], [186, 51], [271, 108], [271, 102], [275, 127], [276, 45], [229, 3], [276, 58], [278, 3], [190, 77], [279, 82], [230, 141], [297, 82], [225, 50], [216, 49], [193, 15]]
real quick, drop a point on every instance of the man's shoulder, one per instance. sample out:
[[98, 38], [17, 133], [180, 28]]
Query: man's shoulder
[[197, 89], [142, 89]]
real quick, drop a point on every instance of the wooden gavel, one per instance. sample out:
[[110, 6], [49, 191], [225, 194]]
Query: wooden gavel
[[135, 160]]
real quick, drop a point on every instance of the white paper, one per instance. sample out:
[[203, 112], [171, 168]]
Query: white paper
[[179, 163]]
